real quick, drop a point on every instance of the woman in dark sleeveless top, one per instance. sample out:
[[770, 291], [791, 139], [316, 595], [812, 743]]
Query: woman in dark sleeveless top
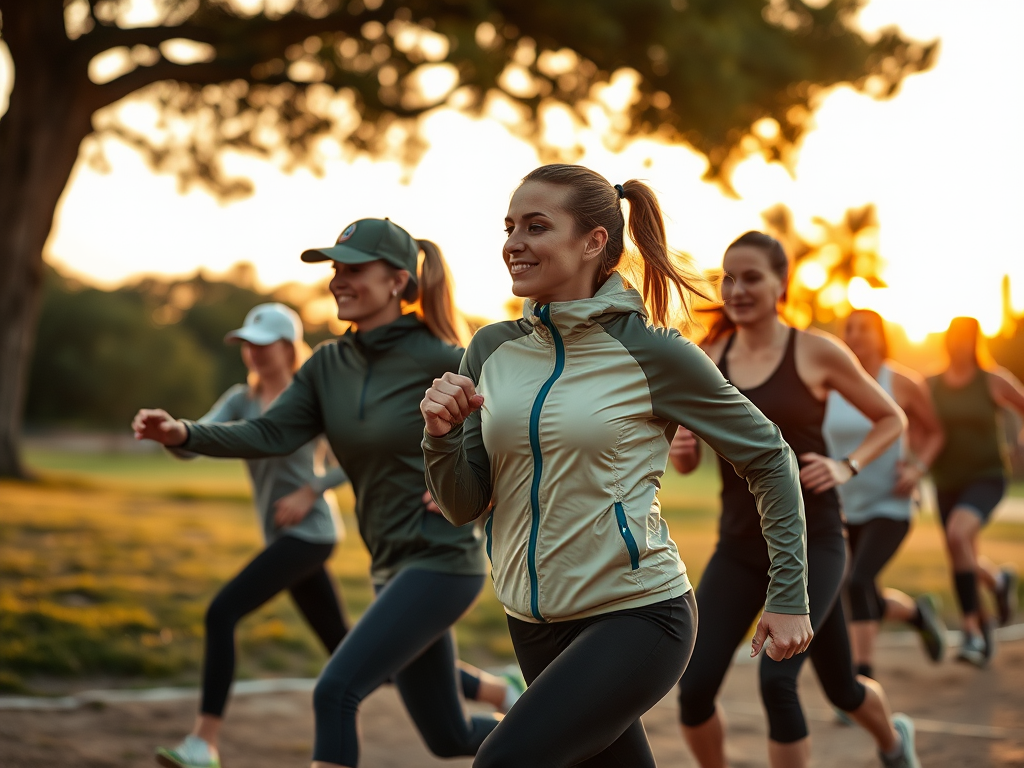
[[787, 374], [970, 477]]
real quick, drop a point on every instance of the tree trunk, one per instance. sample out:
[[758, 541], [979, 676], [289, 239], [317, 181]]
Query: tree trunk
[[40, 134]]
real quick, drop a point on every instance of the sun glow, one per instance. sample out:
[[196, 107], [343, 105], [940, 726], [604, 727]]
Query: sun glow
[[942, 209]]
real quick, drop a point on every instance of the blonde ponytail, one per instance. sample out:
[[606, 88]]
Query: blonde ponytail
[[436, 299]]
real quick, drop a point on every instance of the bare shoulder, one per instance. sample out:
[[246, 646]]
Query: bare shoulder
[[1000, 378], [904, 376], [823, 347]]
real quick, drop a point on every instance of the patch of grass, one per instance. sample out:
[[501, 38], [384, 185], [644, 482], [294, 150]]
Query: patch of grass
[[108, 564]]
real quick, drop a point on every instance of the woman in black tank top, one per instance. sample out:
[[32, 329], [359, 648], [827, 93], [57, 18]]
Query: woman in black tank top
[[731, 590], [785, 399]]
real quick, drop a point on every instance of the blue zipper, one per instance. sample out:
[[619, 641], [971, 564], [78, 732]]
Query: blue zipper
[[627, 536], [538, 460]]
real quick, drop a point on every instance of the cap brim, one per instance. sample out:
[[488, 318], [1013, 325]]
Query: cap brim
[[253, 336], [346, 254]]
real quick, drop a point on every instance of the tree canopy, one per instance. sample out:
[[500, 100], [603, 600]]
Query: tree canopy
[[278, 77]]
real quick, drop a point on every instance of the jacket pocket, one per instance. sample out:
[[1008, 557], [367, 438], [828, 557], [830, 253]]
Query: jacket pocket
[[627, 536]]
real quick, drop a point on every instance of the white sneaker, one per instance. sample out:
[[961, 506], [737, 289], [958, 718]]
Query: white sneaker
[[192, 752], [907, 758]]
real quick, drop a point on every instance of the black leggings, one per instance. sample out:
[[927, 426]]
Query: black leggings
[[288, 563], [872, 544], [730, 596], [406, 636], [590, 681]]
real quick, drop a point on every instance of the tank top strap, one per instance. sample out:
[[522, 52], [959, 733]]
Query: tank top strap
[[723, 361], [789, 356]]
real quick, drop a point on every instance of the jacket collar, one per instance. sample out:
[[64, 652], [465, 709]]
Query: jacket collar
[[383, 338], [571, 318]]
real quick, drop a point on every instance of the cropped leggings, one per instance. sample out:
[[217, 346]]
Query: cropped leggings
[[730, 596], [590, 681], [872, 544], [405, 636], [287, 563]]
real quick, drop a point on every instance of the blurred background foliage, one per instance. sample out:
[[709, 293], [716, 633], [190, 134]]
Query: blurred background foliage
[[158, 342]]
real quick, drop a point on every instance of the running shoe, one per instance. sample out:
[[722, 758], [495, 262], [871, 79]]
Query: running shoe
[[974, 650], [907, 758], [988, 634], [192, 752], [932, 629], [1006, 595], [515, 686]]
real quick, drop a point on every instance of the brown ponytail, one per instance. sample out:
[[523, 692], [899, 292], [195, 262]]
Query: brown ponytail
[[433, 290], [594, 202]]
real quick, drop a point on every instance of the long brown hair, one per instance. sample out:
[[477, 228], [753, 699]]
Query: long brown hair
[[432, 295], [778, 262], [593, 202]]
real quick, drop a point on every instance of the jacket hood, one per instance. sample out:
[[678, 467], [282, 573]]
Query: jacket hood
[[614, 297]]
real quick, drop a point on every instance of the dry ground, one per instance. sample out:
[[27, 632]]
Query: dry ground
[[950, 702]]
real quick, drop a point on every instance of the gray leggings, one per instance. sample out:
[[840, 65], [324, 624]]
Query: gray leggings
[[406, 636]]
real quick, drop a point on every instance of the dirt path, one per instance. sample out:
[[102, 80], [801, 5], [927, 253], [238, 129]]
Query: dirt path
[[966, 717]]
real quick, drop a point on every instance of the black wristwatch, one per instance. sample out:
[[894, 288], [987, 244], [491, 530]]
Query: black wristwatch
[[853, 464]]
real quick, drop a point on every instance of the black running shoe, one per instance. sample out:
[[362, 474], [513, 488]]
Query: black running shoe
[[1006, 595], [932, 629]]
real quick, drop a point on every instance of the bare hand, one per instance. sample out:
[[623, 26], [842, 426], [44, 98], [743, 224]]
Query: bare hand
[[293, 508], [907, 477], [819, 473], [160, 426], [782, 635], [684, 453], [430, 504], [449, 402]]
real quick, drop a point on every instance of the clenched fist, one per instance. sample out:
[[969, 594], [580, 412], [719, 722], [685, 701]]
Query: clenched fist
[[449, 402]]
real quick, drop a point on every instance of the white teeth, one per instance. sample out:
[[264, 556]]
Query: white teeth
[[516, 269]]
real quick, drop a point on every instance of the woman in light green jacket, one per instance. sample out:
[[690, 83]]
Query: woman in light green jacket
[[562, 421]]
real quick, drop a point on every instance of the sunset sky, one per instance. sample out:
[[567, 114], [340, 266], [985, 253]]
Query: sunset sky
[[943, 162]]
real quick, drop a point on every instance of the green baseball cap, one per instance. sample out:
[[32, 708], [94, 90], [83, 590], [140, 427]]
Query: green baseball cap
[[369, 240]]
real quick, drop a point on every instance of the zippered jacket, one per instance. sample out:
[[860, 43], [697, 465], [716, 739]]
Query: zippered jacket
[[363, 393], [581, 400], [277, 476]]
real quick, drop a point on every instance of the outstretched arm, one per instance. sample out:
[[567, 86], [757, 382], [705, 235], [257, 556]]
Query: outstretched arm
[[292, 421]]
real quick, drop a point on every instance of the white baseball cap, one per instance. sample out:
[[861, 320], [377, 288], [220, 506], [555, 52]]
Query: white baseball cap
[[268, 323]]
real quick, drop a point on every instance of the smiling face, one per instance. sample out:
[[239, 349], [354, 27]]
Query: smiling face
[[545, 255], [368, 294], [751, 290]]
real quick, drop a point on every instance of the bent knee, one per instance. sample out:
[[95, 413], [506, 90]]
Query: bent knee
[[696, 701], [334, 695]]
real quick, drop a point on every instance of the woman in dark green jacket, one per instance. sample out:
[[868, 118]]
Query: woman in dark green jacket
[[363, 393]]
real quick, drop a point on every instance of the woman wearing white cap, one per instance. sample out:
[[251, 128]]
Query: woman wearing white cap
[[296, 521], [363, 392]]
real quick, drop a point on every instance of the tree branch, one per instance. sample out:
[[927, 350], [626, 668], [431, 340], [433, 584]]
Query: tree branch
[[205, 73]]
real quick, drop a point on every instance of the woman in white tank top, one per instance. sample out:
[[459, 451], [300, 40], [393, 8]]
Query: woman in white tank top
[[877, 502]]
